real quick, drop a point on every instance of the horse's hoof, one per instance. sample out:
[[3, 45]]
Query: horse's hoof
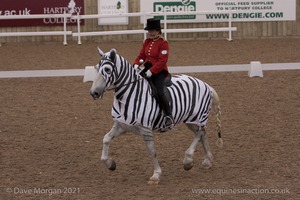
[[153, 182], [188, 166], [206, 164], [112, 165]]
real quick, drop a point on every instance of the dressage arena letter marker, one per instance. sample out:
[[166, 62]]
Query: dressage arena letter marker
[[89, 73], [255, 69]]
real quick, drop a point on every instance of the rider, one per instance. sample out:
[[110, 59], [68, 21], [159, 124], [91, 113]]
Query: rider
[[155, 50]]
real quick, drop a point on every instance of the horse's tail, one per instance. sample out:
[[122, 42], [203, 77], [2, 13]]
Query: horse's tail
[[217, 109]]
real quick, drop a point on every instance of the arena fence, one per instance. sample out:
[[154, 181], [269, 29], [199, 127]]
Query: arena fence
[[254, 69], [79, 34], [64, 32], [146, 15]]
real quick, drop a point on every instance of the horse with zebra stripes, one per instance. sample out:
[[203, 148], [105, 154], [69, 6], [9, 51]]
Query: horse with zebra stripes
[[136, 110]]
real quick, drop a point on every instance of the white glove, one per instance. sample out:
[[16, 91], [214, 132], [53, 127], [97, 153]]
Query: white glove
[[136, 67], [148, 73]]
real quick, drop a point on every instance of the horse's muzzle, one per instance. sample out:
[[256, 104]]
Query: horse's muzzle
[[96, 95]]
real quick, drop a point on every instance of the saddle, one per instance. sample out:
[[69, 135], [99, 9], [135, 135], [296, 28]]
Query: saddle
[[167, 83]]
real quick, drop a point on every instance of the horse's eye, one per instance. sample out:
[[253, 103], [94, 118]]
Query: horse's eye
[[108, 70]]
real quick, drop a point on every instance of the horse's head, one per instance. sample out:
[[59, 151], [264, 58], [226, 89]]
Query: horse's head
[[105, 75]]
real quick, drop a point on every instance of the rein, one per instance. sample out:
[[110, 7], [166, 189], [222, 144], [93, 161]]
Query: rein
[[125, 84]]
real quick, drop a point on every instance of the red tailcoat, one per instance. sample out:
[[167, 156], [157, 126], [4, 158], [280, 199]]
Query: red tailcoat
[[157, 52]]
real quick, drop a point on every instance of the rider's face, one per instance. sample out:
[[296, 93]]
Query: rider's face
[[153, 33]]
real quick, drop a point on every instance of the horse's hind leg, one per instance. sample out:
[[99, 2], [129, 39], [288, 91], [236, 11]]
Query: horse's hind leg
[[188, 161], [199, 135], [115, 131], [208, 155]]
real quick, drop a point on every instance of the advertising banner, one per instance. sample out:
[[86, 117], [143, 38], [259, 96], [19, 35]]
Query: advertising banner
[[25, 7], [242, 10], [112, 7]]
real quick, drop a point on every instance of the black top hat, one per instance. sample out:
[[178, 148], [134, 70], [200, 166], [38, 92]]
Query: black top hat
[[153, 24]]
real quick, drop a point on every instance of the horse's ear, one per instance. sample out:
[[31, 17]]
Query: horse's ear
[[113, 54], [100, 52]]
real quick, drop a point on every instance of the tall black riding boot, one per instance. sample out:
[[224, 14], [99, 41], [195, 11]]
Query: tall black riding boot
[[158, 81], [169, 121]]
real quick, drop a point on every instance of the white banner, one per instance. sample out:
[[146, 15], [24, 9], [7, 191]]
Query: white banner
[[112, 7], [242, 10]]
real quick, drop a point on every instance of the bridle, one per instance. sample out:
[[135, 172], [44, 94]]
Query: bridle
[[107, 60]]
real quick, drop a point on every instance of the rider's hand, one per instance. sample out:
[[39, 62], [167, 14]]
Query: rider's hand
[[148, 73], [136, 67]]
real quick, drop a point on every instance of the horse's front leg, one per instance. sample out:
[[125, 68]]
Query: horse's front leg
[[115, 131], [154, 179]]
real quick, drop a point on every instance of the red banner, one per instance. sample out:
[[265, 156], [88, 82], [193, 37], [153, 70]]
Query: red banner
[[25, 7]]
